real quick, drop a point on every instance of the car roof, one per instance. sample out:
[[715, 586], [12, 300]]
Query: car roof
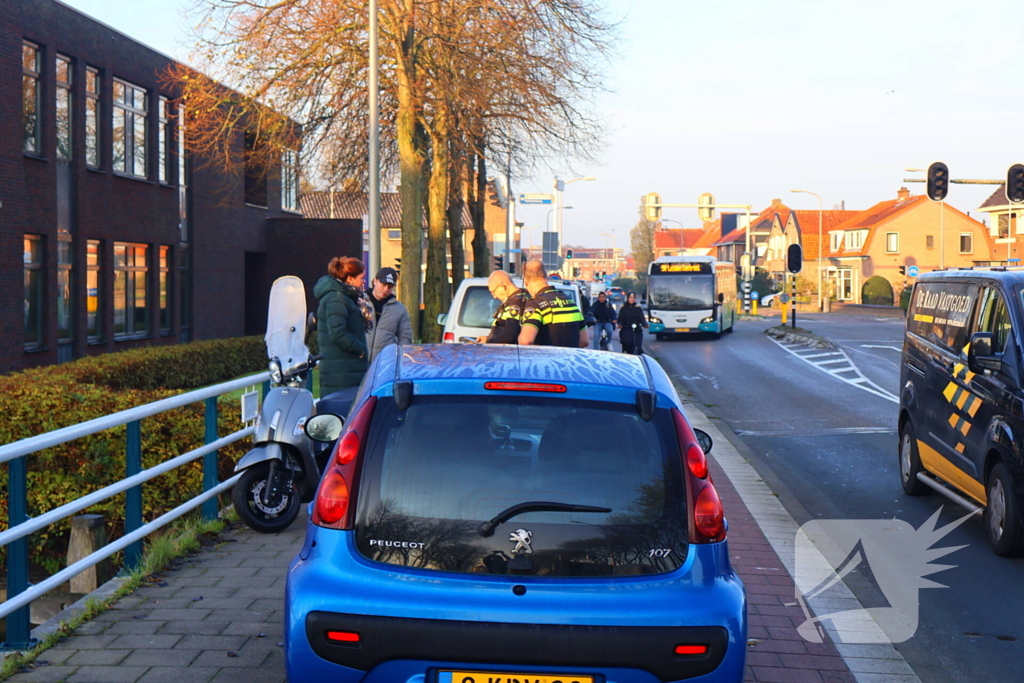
[[518, 281], [511, 362], [1009, 276]]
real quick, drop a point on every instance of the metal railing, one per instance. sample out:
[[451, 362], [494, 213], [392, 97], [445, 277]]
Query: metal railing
[[19, 592]]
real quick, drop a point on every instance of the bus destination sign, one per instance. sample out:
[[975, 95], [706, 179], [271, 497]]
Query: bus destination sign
[[680, 268]]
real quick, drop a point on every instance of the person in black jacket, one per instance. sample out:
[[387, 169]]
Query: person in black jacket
[[343, 319], [632, 322], [604, 318]]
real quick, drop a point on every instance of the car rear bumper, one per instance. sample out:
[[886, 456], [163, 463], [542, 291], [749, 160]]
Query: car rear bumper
[[412, 622]]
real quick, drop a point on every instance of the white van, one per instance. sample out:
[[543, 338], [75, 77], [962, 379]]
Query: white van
[[472, 312]]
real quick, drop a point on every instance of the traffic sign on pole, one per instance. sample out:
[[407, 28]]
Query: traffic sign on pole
[[536, 198], [913, 271]]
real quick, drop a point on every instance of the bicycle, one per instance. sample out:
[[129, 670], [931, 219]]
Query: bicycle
[[605, 339]]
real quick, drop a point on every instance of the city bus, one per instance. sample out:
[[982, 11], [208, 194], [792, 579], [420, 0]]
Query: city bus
[[690, 294]]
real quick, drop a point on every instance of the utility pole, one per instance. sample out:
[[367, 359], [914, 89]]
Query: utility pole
[[374, 199]]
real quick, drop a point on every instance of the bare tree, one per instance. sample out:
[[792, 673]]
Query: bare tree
[[641, 240]]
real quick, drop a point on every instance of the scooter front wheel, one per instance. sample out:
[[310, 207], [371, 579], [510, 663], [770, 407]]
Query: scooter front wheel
[[257, 514]]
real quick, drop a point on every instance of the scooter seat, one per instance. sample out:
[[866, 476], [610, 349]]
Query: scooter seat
[[339, 403]]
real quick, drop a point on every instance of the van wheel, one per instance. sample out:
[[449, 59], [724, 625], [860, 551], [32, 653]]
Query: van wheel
[[1002, 514], [910, 463]]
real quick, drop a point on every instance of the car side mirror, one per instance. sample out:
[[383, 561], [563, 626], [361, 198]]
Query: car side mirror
[[980, 356], [442, 318], [704, 440], [325, 427], [721, 297]]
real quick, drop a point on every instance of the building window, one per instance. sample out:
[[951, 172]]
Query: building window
[[93, 309], [131, 315], [844, 284], [33, 265], [182, 185], [892, 242], [64, 298], [966, 243], [290, 180], [130, 129], [255, 178], [92, 117], [64, 117], [929, 242], [394, 234], [855, 239], [1006, 225], [31, 65], [165, 133], [837, 241], [185, 284], [165, 290]]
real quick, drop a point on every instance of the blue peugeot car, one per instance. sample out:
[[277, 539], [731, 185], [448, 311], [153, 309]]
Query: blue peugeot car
[[503, 514]]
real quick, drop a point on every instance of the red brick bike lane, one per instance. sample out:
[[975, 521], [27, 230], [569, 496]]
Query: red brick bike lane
[[776, 653]]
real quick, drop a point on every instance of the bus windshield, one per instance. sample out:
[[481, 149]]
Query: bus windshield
[[682, 292]]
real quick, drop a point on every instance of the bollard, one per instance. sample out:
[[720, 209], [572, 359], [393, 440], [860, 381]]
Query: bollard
[[210, 476], [88, 534], [785, 312]]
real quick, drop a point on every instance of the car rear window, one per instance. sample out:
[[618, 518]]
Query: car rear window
[[433, 474], [478, 307]]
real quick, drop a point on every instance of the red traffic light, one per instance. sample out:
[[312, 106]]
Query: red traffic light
[[794, 258], [1015, 184]]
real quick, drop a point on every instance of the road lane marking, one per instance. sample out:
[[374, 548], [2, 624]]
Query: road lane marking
[[860, 381], [881, 346], [826, 432]]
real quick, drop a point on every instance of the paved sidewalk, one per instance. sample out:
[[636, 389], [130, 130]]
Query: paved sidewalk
[[217, 617], [214, 617]]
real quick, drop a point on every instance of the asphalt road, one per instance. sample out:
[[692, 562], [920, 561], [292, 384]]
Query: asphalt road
[[828, 447]]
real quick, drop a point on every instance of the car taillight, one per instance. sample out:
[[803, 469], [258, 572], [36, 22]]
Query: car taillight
[[449, 338], [350, 637], [691, 649], [707, 516], [335, 497]]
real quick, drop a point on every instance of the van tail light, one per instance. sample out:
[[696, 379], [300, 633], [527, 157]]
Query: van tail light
[[335, 497], [449, 338], [707, 516]]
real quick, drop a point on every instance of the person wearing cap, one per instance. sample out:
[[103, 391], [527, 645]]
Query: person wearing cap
[[392, 319]]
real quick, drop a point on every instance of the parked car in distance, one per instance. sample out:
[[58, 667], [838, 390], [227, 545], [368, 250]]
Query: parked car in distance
[[959, 417], [770, 300], [472, 310], [515, 513]]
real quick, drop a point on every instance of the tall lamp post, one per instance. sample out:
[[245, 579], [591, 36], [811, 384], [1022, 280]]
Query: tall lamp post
[[615, 260], [681, 228], [821, 247], [374, 152]]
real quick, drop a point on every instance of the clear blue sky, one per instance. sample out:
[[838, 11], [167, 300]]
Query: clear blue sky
[[750, 98]]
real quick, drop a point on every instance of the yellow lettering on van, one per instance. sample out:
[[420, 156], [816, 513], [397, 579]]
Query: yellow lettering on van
[[918, 317]]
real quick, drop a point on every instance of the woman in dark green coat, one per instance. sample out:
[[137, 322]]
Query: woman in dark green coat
[[343, 318]]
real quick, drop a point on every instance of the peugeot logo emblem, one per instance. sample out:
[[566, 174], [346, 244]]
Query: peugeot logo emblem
[[522, 538]]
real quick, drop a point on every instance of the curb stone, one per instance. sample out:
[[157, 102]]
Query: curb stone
[[789, 335]]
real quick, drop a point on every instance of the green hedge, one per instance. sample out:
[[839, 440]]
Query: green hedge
[[44, 399]]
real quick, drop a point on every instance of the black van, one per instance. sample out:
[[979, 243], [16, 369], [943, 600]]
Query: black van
[[961, 404]]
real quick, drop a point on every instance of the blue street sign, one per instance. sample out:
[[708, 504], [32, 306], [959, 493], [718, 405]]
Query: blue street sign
[[536, 198], [754, 295], [1013, 260], [913, 271]]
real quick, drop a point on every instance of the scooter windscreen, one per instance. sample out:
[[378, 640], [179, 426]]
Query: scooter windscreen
[[286, 324]]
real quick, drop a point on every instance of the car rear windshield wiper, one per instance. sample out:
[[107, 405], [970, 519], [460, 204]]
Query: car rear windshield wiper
[[487, 528]]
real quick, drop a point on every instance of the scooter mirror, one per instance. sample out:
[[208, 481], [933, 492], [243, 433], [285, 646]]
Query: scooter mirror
[[704, 439], [324, 428]]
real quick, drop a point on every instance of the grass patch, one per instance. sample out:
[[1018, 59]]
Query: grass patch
[[183, 537]]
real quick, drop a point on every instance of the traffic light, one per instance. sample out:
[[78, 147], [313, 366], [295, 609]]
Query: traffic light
[[568, 254], [1015, 184], [938, 181], [794, 258], [903, 270], [652, 213], [499, 263]]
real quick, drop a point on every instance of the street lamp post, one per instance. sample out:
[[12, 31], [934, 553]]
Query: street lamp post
[[615, 258], [682, 243], [821, 247], [374, 151]]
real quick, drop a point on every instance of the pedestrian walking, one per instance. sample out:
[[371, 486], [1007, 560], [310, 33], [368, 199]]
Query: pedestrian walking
[[632, 322], [604, 318], [509, 316], [391, 319], [551, 318], [343, 319]]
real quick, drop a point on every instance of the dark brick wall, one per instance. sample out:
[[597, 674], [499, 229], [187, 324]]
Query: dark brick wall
[[107, 206]]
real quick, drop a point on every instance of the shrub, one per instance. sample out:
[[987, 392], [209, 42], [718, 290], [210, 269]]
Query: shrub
[[905, 297], [45, 399], [877, 291]]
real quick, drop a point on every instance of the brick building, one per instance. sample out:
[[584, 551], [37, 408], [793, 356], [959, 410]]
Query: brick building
[[110, 237]]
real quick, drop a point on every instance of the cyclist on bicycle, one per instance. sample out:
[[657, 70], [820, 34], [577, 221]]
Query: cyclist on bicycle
[[604, 317]]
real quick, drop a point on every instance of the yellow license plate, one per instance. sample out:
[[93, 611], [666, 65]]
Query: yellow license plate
[[682, 329], [499, 677]]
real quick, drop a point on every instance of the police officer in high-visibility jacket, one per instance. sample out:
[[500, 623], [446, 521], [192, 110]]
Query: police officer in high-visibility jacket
[[509, 316], [551, 317]]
